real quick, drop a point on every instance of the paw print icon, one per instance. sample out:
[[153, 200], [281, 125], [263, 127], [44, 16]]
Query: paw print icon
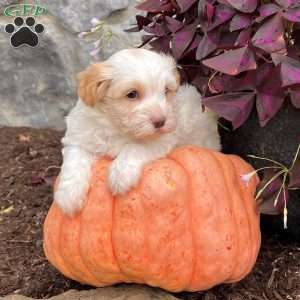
[[24, 33]]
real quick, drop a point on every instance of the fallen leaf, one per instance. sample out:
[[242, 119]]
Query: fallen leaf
[[24, 137], [7, 210]]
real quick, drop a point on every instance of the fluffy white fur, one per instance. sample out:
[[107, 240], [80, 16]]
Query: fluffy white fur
[[105, 121]]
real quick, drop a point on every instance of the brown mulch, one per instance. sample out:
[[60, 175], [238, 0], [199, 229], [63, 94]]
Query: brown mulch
[[29, 161]]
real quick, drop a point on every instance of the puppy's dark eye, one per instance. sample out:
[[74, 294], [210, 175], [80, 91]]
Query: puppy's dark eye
[[132, 95], [167, 90]]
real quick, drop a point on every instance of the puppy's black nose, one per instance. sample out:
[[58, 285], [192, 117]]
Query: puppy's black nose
[[159, 123]]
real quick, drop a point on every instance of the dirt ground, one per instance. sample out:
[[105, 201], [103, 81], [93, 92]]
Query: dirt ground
[[29, 161]]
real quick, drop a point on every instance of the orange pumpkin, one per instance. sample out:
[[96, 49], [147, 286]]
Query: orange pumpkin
[[190, 224]]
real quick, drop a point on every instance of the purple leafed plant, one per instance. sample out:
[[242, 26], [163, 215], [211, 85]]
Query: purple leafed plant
[[238, 53], [241, 55]]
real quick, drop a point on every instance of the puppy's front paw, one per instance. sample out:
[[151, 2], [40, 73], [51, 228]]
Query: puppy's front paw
[[123, 176], [70, 195]]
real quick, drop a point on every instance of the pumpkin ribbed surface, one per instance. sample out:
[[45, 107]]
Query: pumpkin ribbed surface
[[190, 224]]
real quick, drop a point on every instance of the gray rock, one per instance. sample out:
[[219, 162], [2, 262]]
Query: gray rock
[[4, 3], [123, 292]]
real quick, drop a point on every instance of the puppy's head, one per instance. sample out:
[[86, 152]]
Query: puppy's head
[[135, 88]]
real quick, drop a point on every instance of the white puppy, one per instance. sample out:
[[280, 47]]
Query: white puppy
[[132, 109]]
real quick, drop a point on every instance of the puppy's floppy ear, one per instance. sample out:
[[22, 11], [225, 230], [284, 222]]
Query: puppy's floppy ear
[[93, 83]]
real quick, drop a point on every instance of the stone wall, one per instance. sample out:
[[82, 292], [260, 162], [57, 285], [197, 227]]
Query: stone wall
[[38, 85]]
